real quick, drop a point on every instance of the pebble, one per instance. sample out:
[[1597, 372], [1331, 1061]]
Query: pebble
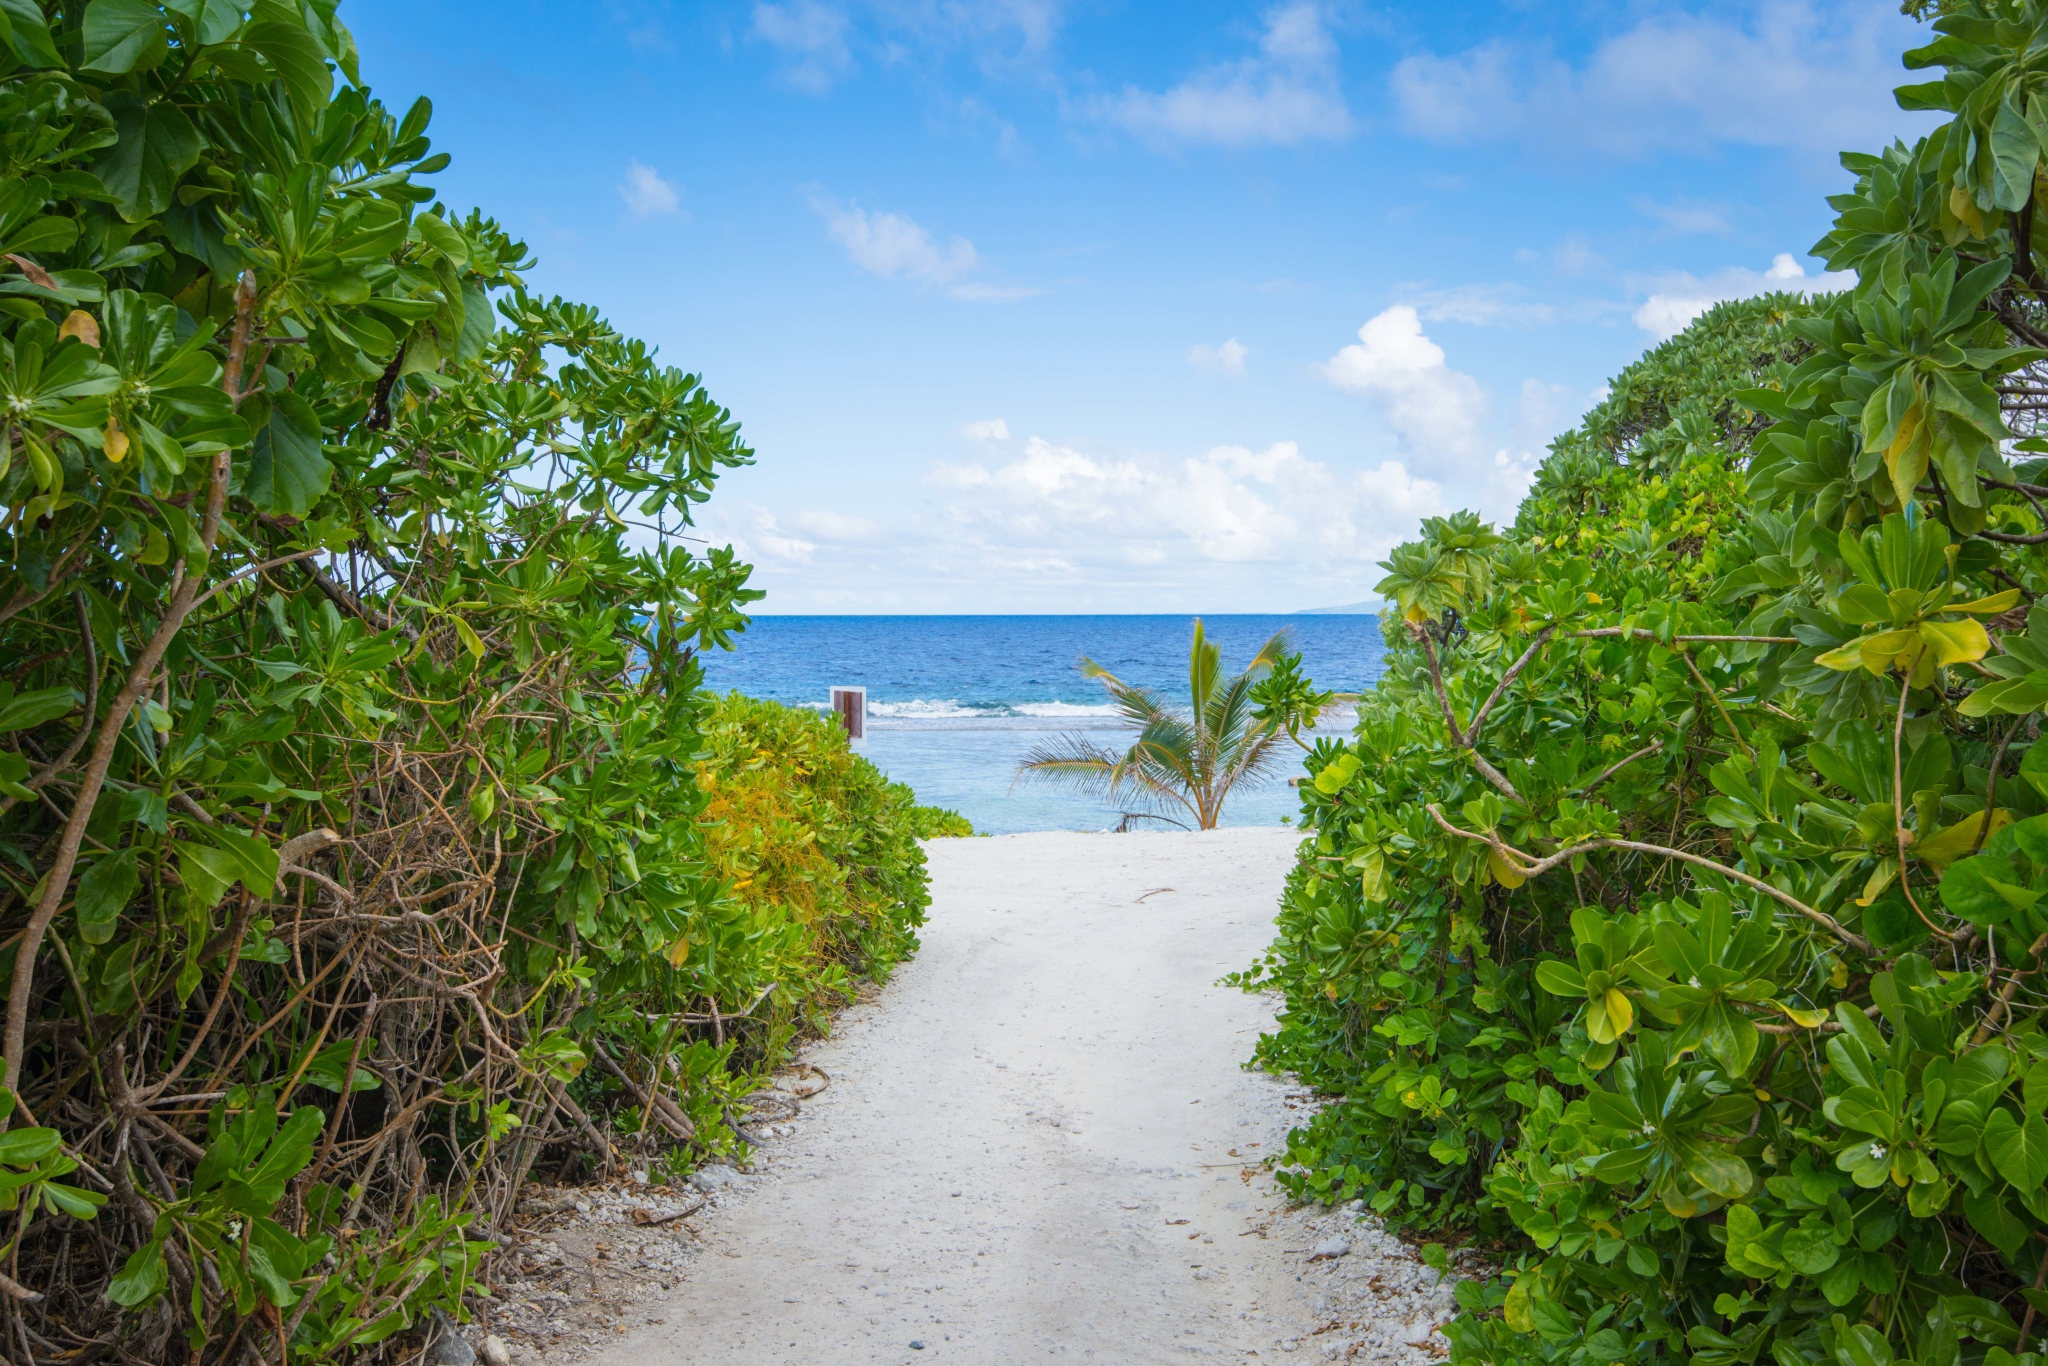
[[448, 1348], [714, 1178], [495, 1352]]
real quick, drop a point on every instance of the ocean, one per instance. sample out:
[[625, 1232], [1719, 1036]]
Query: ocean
[[955, 702]]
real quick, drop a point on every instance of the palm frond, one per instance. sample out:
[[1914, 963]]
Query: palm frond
[[1269, 653], [1205, 661], [1139, 707], [1189, 759], [1070, 761]]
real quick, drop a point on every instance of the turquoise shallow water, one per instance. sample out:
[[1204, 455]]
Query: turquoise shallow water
[[955, 702]]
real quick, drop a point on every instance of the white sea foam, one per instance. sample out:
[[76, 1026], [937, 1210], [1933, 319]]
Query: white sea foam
[[946, 709], [952, 709]]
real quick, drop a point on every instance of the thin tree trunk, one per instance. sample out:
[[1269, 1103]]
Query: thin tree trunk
[[185, 580]]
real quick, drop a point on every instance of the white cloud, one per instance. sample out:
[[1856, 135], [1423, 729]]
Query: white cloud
[[836, 526], [1503, 305], [645, 192], [1573, 256], [1435, 409], [1288, 93], [1227, 359], [896, 247], [812, 38], [988, 429], [1230, 505], [1679, 297], [1684, 216], [824, 41], [769, 542], [1814, 75]]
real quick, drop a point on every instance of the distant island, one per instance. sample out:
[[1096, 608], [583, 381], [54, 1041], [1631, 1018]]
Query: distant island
[[1369, 609]]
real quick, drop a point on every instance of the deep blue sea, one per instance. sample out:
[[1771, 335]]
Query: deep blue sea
[[955, 702]]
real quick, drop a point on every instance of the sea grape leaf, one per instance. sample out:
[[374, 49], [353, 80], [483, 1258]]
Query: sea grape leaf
[[288, 473], [2019, 1150], [154, 145], [122, 35]]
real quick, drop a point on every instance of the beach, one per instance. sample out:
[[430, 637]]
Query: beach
[[1039, 1139]]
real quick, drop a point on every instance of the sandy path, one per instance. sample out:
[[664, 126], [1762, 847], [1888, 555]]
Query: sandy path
[[1027, 1145]]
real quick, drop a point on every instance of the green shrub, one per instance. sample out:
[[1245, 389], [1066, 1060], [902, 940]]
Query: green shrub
[[939, 823], [811, 837], [1672, 926], [351, 725]]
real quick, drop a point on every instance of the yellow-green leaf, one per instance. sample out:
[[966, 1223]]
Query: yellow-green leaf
[[1956, 642], [1620, 1012], [1514, 1310], [1372, 880], [1988, 607], [1887, 648], [1951, 842], [1504, 871], [1805, 1019]]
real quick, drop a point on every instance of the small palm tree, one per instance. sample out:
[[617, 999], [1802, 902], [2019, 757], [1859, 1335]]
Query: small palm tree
[[1182, 760]]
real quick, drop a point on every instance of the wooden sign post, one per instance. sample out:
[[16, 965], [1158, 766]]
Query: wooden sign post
[[852, 706]]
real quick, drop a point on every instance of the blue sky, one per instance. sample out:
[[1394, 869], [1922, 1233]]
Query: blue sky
[[1058, 306]]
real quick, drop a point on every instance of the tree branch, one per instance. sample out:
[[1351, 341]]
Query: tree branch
[[185, 579], [1479, 717], [1529, 867], [1620, 764]]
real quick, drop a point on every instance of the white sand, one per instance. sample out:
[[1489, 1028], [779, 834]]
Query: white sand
[[1040, 1140]]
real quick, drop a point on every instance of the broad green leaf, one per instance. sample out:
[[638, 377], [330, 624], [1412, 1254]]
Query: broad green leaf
[[1991, 1215], [2019, 1150], [25, 710], [288, 473], [142, 1278], [297, 60], [291, 1148], [122, 35], [29, 34], [213, 21], [104, 892], [1720, 1171], [207, 873], [1984, 889], [1560, 979], [79, 1204], [1746, 1254], [2015, 152], [446, 240], [154, 145], [1810, 1251], [326, 1067], [255, 862], [23, 1147]]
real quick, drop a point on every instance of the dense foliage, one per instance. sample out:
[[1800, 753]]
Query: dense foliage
[[820, 851], [366, 835], [1673, 927]]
